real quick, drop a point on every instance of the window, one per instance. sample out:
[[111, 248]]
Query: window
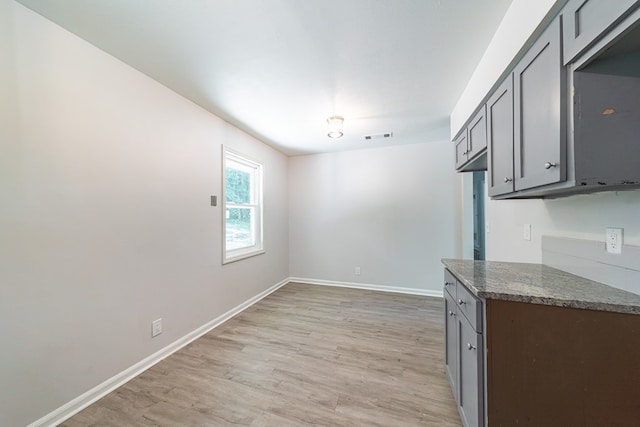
[[242, 198]]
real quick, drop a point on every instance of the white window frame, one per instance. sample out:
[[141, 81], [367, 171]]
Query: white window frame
[[255, 168]]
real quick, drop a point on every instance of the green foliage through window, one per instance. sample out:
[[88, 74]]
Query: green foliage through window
[[243, 210]]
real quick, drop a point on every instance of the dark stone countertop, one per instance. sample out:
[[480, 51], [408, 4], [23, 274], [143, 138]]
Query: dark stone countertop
[[540, 284]]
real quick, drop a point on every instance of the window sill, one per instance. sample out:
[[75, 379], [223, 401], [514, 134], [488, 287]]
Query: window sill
[[242, 256]]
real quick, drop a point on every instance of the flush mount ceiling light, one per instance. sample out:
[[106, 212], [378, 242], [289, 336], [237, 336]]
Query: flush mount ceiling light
[[335, 126]]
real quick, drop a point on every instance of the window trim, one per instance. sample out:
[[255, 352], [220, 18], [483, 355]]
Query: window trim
[[258, 248]]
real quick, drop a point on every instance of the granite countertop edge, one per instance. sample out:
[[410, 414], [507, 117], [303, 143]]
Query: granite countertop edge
[[523, 282]]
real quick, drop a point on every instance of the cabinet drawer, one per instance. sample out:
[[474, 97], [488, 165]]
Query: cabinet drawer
[[450, 283], [469, 306]]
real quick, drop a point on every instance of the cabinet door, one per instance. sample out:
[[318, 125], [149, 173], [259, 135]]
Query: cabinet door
[[500, 139], [585, 20], [539, 124], [450, 356], [470, 375], [461, 149], [477, 134]]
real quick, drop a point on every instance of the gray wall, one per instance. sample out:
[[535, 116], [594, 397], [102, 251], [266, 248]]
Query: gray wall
[[105, 223], [580, 216], [394, 212]]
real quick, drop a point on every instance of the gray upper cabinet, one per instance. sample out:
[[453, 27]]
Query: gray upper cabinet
[[606, 115], [471, 144], [500, 139], [553, 129], [477, 134], [586, 20], [540, 113], [461, 149]]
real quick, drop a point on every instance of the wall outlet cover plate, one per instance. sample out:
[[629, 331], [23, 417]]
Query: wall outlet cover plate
[[613, 242]]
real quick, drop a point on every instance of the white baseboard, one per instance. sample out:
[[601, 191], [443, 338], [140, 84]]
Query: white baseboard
[[71, 408], [410, 291], [79, 403]]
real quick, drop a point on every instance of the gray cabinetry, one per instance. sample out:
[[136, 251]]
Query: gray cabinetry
[[585, 20], [470, 380], [539, 119], [464, 349], [451, 353], [477, 134], [606, 115], [461, 149], [556, 130], [500, 139], [471, 144]]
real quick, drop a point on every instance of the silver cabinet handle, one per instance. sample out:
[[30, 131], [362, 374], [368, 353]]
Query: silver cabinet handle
[[460, 302], [549, 165], [508, 180], [451, 313], [447, 283], [471, 347]]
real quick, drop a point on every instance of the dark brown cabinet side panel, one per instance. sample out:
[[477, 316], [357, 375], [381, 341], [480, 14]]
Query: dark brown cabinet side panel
[[556, 366]]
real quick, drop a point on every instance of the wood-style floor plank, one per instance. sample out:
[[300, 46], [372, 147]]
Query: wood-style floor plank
[[305, 355]]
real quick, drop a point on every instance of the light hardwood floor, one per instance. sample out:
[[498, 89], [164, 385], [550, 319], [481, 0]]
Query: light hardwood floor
[[305, 355]]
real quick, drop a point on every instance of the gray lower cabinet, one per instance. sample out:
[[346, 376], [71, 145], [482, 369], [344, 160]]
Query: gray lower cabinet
[[464, 350], [500, 139], [540, 113], [470, 379], [586, 20], [451, 352]]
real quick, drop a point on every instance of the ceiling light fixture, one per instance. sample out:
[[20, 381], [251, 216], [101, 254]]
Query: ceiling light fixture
[[335, 126]]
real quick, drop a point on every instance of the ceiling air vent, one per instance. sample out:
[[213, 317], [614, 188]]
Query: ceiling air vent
[[378, 136]]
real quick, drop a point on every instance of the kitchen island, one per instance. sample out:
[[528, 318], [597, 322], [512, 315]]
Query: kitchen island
[[527, 344]]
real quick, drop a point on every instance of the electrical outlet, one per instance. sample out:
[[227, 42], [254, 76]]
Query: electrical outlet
[[156, 327], [613, 242], [357, 271], [526, 233]]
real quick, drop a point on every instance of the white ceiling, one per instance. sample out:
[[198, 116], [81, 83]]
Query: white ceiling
[[279, 68]]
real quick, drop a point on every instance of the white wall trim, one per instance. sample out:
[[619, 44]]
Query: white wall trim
[[381, 288], [74, 406]]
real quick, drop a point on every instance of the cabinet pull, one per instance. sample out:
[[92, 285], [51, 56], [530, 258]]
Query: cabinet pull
[[460, 302], [447, 283], [549, 165], [508, 179], [451, 313], [471, 347]]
